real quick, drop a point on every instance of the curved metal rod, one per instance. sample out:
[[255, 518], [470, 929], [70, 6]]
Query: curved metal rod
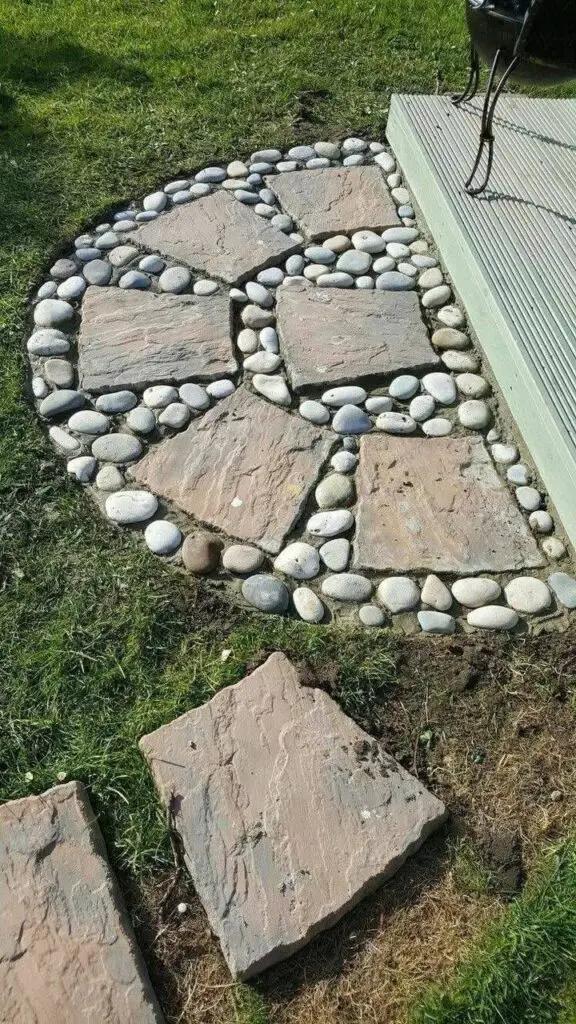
[[471, 87], [486, 132]]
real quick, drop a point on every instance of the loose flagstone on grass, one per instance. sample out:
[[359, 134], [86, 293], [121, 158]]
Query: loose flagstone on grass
[[289, 813], [130, 339], [336, 200], [437, 505], [68, 951], [218, 236], [334, 337], [252, 484]]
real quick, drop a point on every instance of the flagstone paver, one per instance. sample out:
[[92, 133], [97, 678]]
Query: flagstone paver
[[288, 811], [130, 339], [338, 200], [218, 236], [436, 504], [67, 951], [333, 337], [251, 483]]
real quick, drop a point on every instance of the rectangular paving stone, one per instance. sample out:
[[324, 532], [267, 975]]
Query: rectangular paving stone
[[332, 336], [335, 200], [436, 504], [289, 812], [131, 339], [217, 235], [67, 950], [246, 467]]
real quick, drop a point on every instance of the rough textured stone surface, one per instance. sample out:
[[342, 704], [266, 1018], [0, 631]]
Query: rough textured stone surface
[[289, 813], [246, 467], [333, 336], [438, 505], [337, 200], [68, 952], [133, 339], [218, 236]]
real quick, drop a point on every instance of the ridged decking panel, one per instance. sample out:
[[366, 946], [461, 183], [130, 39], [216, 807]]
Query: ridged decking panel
[[511, 255]]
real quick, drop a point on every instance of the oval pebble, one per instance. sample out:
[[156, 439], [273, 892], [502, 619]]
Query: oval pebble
[[268, 338], [335, 554], [273, 388], [474, 414], [295, 265], [220, 388], [349, 419], [334, 491], [344, 462], [553, 548], [422, 408], [377, 404], [256, 317], [270, 277], [162, 537], [354, 262], [541, 521], [528, 498], [563, 587], [175, 415], [404, 235], [398, 594], [504, 454], [438, 426], [109, 478], [528, 595], [313, 411], [436, 594], [152, 264], [336, 280], [308, 606], [174, 280], [347, 586], [266, 593], [518, 475], [194, 396], [141, 420], [330, 524], [241, 558], [82, 468], [435, 297], [436, 622], [59, 402], [97, 272], [475, 591], [247, 341], [73, 288], [393, 281], [47, 343], [89, 422], [404, 387], [118, 448], [299, 560], [441, 386], [460, 362], [131, 506], [51, 312], [493, 616], [159, 396], [346, 395], [451, 316], [259, 294], [472, 385], [371, 615], [134, 279], [155, 201], [448, 337], [396, 423], [116, 401], [262, 362], [64, 441]]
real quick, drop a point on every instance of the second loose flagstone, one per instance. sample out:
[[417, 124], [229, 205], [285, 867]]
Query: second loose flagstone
[[289, 813]]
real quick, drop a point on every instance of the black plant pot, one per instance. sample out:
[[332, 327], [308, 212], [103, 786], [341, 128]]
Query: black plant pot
[[549, 46]]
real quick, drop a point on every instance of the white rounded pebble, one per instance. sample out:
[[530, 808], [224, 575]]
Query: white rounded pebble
[[263, 210], [262, 362], [403, 235], [518, 475], [334, 491], [398, 594], [205, 287], [155, 201], [220, 388], [436, 297], [367, 241], [200, 189], [131, 506], [176, 186], [268, 156], [472, 385], [541, 521], [350, 419], [447, 337], [118, 448], [63, 440], [247, 341], [398, 251], [237, 169], [39, 387], [370, 615], [353, 145], [528, 595], [475, 591], [438, 426], [299, 560], [141, 420], [396, 423], [345, 395], [272, 388], [308, 605], [242, 558], [256, 317], [492, 617], [194, 396], [335, 554], [109, 478], [295, 265], [317, 162], [422, 408], [553, 547], [392, 281], [383, 264], [327, 149], [107, 240], [404, 387], [528, 498], [421, 261], [268, 338], [354, 262], [174, 280], [51, 312], [162, 537], [314, 271], [175, 415], [152, 264], [313, 411], [460, 362], [134, 279], [146, 215], [441, 386], [474, 414], [72, 288], [386, 161], [407, 269], [97, 272], [319, 254], [344, 462], [377, 404], [347, 586], [122, 255], [365, 283], [47, 343], [61, 401], [435, 594], [436, 622], [89, 422], [431, 278], [259, 294], [213, 175], [504, 454], [331, 523], [116, 401], [83, 468], [452, 316], [271, 277], [336, 280], [159, 396], [47, 290]]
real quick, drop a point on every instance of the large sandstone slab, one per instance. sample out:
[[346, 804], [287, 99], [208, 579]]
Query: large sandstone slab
[[289, 812], [216, 235], [67, 951], [247, 468], [131, 339], [338, 199], [436, 504], [332, 337]]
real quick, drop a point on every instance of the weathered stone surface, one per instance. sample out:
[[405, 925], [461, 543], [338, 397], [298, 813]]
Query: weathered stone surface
[[133, 339], [67, 948], [340, 199], [246, 468], [333, 336], [289, 812], [218, 236], [436, 504]]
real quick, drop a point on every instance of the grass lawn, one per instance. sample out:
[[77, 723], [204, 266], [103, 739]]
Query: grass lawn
[[100, 101]]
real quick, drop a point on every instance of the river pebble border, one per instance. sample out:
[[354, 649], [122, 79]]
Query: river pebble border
[[101, 436]]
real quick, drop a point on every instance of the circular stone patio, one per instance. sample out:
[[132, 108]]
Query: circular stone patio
[[263, 369]]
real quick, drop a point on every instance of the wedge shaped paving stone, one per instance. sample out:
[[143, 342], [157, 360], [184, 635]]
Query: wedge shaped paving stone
[[338, 200], [333, 337], [439, 505], [246, 467], [289, 813], [68, 950], [130, 339], [218, 236]]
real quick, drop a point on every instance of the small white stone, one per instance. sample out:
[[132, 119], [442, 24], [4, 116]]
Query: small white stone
[[330, 523], [155, 201], [400, 195], [335, 554], [528, 595], [174, 280], [162, 537], [83, 468], [422, 408], [308, 605], [141, 420], [398, 594], [346, 395], [314, 271], [395, 423], [122, 255], [452, 316], [176, 186], [220, 388], [347, 586], [195, 396], [299, 560], [475, 591], [493, 617], [339, 243], [89, 422], [64, 441], [39, 387], [73, 288], [116, 401], [377, 404], [109, 478], [272, 388], [366, 241], [247, 341], [344, 462], [460, 362], [131, 506], [262, 362], [431, 278], [386, 161], [237, 169], [51, 312], [474, 414], [313, 411], [175, 415], [528, 498], [435, 594], [365, 283], [159, 396], [404, 387], [541, 521], [518, 475], [504, 454], [337, 280], [353, 145], [472, 385], [441, 386], [553, 548], [259, 294], [438, 426], [383, 264], [370, 615], [205, 287]]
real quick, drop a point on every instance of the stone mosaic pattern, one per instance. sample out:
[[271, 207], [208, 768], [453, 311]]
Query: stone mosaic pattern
[[68, 951], [227, 291], [288, 811]]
